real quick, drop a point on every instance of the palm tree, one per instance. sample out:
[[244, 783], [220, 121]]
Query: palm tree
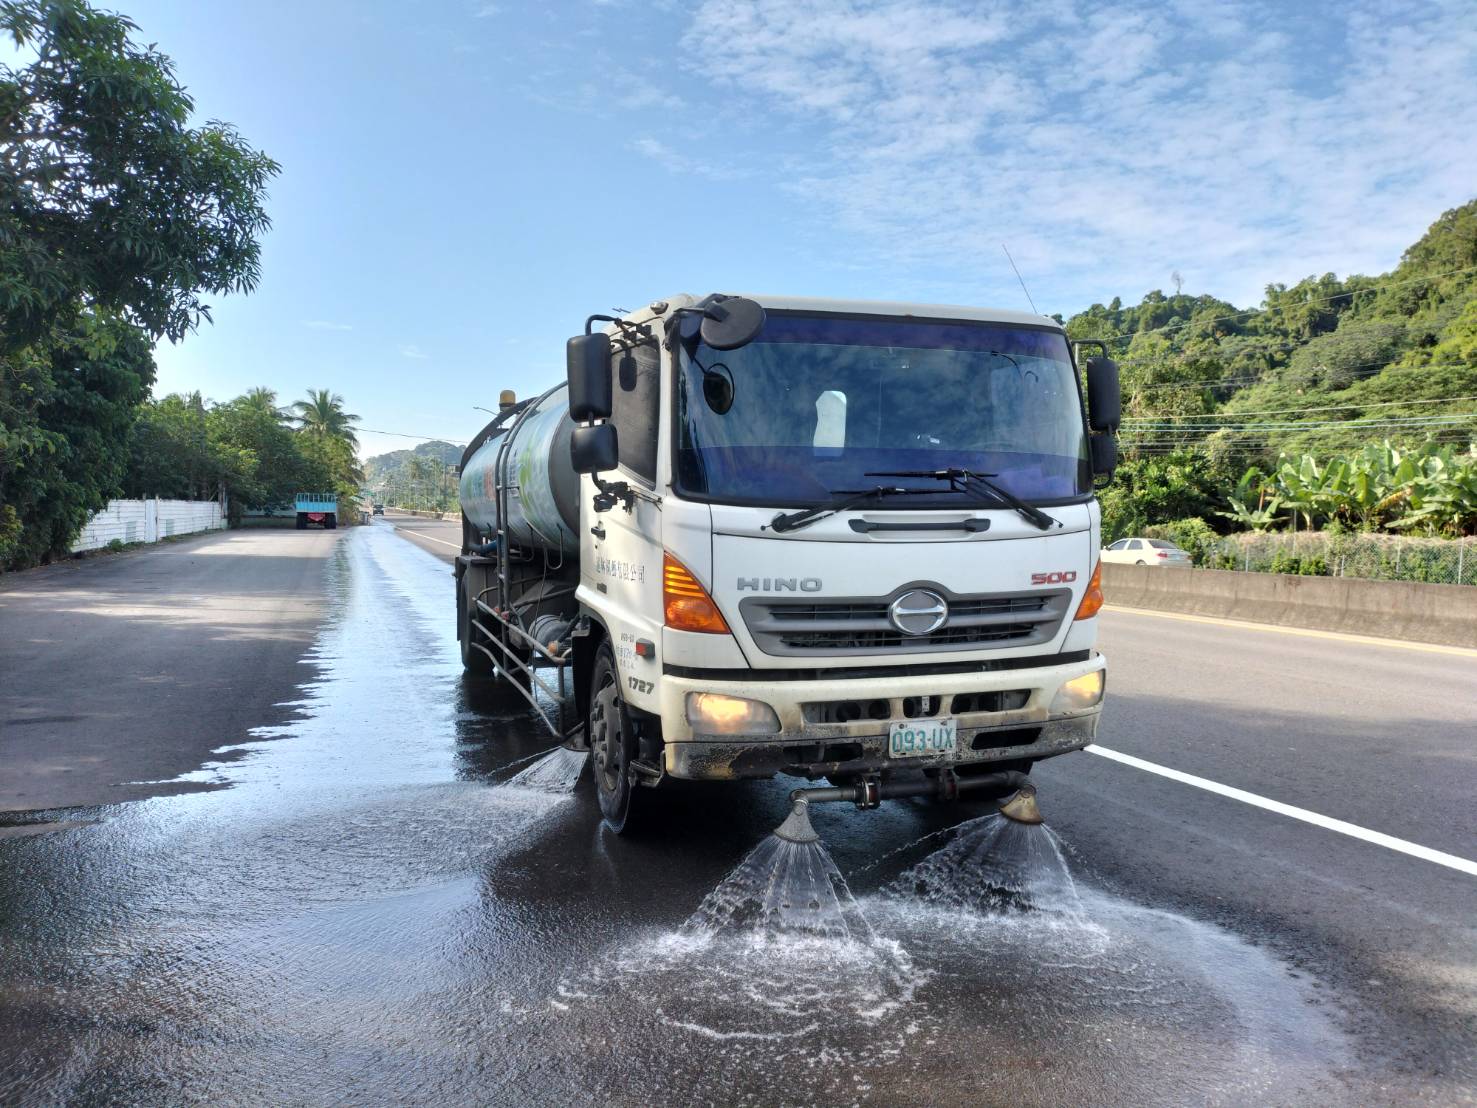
[[323, 414], [264, 400]]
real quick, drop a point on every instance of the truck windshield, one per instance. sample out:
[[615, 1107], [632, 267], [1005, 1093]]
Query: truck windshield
[[816, 403]]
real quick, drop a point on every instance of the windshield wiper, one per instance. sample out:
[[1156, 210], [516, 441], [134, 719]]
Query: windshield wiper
[[967, 480], [791, 521]]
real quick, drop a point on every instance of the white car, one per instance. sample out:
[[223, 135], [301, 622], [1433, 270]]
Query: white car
[[1147, 552]]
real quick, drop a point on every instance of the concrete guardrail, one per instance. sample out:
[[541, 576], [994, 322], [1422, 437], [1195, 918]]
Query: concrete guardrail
[[1409, 610], [427, 515]]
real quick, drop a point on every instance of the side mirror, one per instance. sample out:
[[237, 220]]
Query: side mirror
[[1104, 399], [731, 323], [594, 449], [587, 365], [1104, 452]]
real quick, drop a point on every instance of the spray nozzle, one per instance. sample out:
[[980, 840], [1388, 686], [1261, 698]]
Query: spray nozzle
[[796, 827], [1022, 807]]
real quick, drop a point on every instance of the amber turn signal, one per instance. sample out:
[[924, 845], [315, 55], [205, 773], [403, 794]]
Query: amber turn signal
[[687, 605], [1092, 599]]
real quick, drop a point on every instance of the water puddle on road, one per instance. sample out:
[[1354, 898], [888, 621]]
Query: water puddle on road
[[283, 938]]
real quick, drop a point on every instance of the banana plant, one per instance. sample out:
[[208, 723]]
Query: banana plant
[[1430, 487], [1253, 487]]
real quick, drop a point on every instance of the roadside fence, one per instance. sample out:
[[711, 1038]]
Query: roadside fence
[[1321, 554], [127, 521]]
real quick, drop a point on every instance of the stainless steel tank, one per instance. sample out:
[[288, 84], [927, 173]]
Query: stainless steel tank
[[543, 488]]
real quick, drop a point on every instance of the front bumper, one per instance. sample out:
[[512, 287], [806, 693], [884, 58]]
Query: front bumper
[[808, 748]]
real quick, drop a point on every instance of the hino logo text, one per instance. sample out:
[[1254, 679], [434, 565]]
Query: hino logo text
[[780, 584]]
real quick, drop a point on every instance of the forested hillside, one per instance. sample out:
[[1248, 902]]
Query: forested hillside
[[1218, 399], [418, 478]]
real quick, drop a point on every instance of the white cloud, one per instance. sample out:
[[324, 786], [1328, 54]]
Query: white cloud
[[1238, 142], [485, 11], [411, 350], [326, 325], [634, 92], [681, 164]]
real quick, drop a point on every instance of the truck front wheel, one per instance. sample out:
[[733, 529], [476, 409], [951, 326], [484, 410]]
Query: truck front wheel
[[612, 742]]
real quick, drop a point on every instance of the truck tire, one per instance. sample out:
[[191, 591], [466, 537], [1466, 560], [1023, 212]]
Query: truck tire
[[330, 521], [612, 743], [302, 521], [474, 662]]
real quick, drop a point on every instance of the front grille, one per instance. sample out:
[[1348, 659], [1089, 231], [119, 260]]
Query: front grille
[[1008, 700], [914, 707], [861, 626]]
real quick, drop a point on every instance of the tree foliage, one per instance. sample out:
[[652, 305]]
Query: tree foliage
[[116, 218], [1430, 489], [1327, 369], [64, 457], [183, 447], [322, 416], [108, 194], [1157, 489]]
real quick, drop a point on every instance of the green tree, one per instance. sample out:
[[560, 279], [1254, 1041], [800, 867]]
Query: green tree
[[116, 218], [322, 415], [183, 447], [170, 453], [85, 388], [263, 400], [108, 195], [1158, 489], [283, 462]]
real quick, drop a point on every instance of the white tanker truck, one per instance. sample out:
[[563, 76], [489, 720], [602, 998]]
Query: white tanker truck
[[763, 535]]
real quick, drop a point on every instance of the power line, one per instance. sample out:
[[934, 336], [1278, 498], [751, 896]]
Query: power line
[[1197, 436], [404, 435], [1273, 374], [1453, 419], [1248, 447], [1324, 408]]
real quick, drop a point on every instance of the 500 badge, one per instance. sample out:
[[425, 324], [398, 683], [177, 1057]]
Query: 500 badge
[[1058, 577]]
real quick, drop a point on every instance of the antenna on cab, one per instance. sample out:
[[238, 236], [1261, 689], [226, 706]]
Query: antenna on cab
[[1019, 278]]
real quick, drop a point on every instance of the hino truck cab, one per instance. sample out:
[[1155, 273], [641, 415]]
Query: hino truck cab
[[841, 539]]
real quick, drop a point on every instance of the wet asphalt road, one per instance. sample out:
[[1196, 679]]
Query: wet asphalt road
[[365, 915], [123, 670]]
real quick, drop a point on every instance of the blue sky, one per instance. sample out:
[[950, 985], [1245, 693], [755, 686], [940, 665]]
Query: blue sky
[[464, 182]]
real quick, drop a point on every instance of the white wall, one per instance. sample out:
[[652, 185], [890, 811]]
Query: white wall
[[148, 521]]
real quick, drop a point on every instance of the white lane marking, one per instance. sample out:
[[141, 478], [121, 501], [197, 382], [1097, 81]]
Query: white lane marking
[[1306, 632], [422, 534], [1379, 838]]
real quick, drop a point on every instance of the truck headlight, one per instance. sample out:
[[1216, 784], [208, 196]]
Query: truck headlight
[[716, 714], [1079, 693]]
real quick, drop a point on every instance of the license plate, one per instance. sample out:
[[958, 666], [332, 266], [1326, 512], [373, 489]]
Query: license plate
[[921, 737]]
